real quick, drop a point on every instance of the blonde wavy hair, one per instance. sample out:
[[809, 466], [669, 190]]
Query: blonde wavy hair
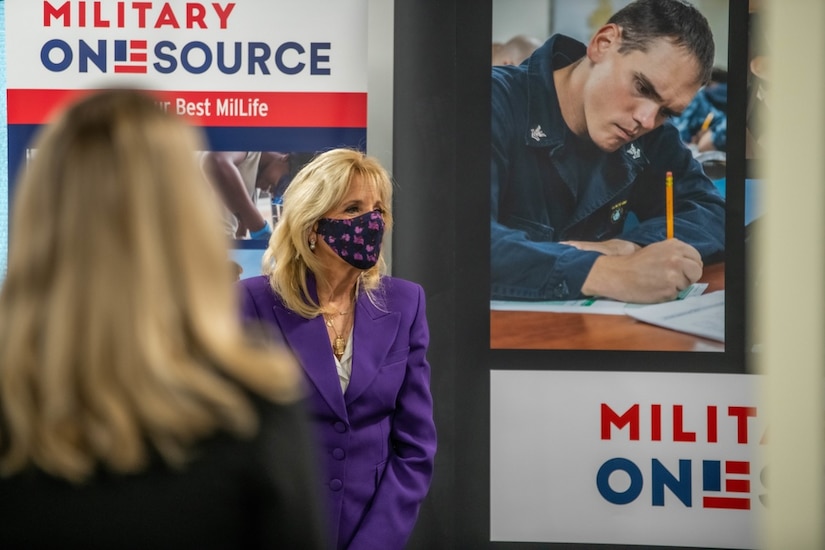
[[119, 328], [318, 187]]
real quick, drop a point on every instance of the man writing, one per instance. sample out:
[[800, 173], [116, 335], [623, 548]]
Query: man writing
[[239, 175], [579, 142]]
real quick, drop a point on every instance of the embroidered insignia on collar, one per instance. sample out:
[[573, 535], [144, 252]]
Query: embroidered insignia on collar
[[537, 133], [634, 151], [617, 211]]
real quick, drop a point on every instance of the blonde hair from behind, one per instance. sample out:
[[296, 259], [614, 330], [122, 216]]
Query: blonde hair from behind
[[317, 188], [119, 328]]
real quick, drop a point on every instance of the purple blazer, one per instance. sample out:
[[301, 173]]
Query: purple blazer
[[377, 440]]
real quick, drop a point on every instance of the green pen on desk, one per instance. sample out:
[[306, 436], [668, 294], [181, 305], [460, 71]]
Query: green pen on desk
[[589, 301]]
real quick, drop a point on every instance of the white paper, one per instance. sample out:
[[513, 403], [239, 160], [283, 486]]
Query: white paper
[[590, 305], [609, 307], [700, 315]]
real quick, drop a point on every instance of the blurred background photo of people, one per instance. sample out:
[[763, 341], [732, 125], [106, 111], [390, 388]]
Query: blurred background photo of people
[[703, 124], [250, 185], [515, 50], [758, 87]]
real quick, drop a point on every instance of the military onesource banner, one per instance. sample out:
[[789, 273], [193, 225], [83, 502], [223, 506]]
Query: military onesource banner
[[263, 76], [669, 459]]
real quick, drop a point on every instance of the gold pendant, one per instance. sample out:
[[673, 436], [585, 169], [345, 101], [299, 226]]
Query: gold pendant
[[338, 347]]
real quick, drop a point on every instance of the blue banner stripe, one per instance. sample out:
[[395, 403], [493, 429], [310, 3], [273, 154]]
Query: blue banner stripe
[[247, 138], [224, 138]]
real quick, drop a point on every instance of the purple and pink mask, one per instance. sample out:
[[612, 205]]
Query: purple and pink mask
[[356, 240]]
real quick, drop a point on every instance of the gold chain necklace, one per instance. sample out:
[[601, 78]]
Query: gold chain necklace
[[339, 344]]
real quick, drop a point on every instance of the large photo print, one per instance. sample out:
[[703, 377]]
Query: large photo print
[[608, 172]]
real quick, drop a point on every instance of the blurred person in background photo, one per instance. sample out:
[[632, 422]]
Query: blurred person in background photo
[[758, 86], [361, 337], [515, 50], [135, 411], [703, 125], [240, 177]]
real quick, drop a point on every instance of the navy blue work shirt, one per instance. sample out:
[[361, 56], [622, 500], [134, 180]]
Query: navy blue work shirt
[[547, 185]]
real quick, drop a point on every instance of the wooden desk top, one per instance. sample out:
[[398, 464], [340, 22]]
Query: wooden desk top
[[587, 331]]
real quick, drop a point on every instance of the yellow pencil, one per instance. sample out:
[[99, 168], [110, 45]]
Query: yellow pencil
[[669, 203], [706, 123]]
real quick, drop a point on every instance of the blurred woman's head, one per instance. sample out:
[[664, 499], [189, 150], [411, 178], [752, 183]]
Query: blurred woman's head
[[118, 304]]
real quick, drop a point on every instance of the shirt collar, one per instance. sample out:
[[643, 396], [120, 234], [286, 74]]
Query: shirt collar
[[546, 127]]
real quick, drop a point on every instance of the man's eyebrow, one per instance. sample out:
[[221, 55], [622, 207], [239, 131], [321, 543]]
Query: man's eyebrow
[[651, 90]]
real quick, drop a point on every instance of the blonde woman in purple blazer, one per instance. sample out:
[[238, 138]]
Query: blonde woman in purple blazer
[[361, 338]]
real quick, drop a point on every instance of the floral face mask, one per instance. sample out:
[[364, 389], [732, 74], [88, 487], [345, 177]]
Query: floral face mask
[[356, 240]]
